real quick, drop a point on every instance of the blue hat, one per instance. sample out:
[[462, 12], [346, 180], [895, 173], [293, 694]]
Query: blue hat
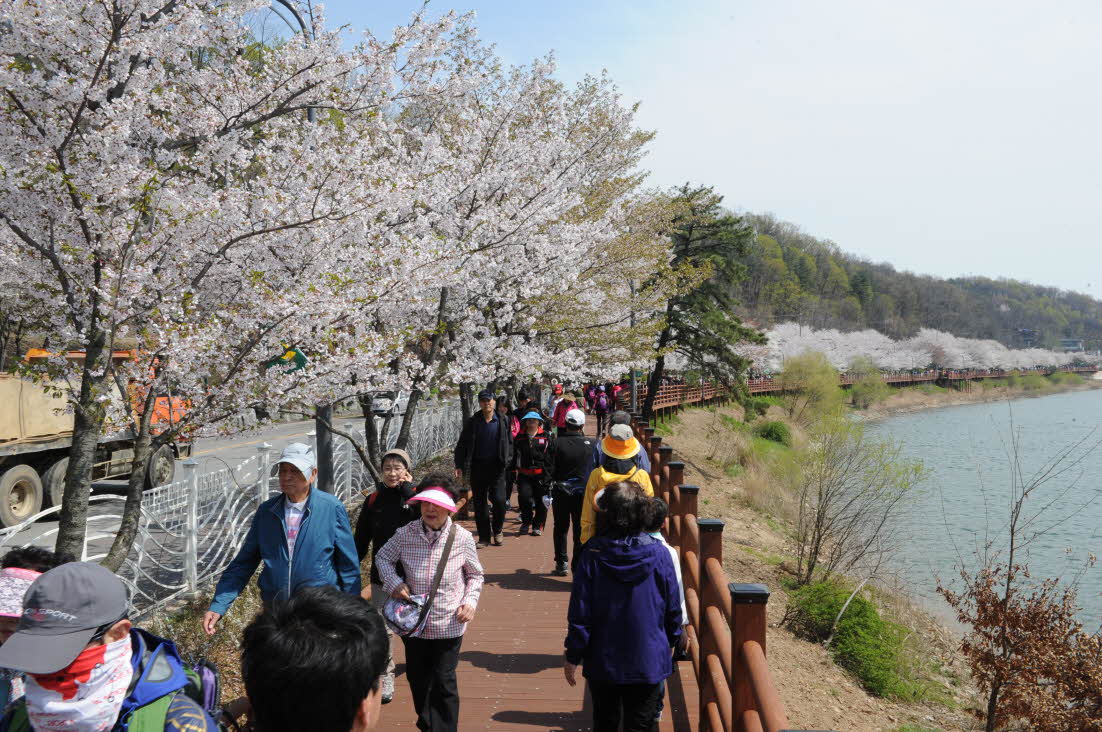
[[485, 394], [532, 415]]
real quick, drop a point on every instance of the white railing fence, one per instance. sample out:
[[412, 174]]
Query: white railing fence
[[190, 529]]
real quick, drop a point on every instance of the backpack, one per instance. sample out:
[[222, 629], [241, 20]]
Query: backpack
[[602, 402]]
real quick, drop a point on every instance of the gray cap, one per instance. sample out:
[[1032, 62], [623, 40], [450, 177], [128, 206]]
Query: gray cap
[[61, 612]]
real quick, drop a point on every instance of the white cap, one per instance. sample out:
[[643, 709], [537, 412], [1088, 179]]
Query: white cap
[[301, 456], [575, 418]]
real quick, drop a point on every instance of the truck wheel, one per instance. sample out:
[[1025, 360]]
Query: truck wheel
[[53, 481], [161, 468], [20, 494]]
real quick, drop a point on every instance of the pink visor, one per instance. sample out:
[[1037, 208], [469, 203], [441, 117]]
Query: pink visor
[[14, 583], [435, 496]]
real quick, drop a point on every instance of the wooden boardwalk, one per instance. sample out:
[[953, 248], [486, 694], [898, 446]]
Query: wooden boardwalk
[[510, 664]]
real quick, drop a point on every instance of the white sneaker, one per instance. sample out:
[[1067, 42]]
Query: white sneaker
[[388, 688]]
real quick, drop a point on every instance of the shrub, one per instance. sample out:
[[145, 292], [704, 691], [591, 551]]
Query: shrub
[[869, 390], [811, 387], [1065, 378], [1034, 382], [756, 406], [775, 432], [864, 644]]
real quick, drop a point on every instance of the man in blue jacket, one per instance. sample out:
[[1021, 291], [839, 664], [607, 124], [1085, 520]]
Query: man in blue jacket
[[303, 537]]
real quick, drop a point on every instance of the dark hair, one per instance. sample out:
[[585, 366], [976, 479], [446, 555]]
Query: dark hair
[[626, 509], [619, 417], [35, 559], [442, 481], [323, 645], [522, 395], [659, 510]]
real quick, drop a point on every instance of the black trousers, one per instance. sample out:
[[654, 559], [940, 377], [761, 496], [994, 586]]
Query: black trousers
[[602, 423], [567, 510], [633, 704], [530, 493], [430, 670], [488, 482]]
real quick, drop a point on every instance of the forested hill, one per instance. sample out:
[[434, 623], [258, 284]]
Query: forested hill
[[791, 276]]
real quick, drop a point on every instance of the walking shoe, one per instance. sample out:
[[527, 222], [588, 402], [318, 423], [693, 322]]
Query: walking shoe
[[560, 569], [523, 530], [498, 539], [538, 531], [388, 688], [482, 545]]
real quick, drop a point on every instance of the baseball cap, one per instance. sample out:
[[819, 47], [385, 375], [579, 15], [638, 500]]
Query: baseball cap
[[485, 394], [63, 609], [575, 418], [299, 455], [532, 415]]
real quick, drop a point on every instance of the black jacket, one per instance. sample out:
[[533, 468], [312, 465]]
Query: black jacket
[[573, 456], [384, 512], [464, 449], [534, 453]]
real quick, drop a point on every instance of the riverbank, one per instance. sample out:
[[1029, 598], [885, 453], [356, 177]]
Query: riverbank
[[742, 482], [906, 400]]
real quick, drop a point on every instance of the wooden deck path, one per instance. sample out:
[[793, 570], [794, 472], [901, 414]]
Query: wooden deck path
[[510, 664]]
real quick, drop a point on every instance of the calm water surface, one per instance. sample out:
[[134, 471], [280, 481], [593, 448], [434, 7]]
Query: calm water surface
[[966, 497]]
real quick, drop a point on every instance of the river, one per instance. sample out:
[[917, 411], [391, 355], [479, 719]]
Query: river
[[965, 498]]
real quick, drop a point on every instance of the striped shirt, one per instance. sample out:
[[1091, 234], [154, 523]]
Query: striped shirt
[[419, 549]]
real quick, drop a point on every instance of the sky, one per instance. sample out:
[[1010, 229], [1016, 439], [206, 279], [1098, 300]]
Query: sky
[[947, 138]]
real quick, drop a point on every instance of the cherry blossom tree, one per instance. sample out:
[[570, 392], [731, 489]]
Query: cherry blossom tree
[[160, 183]]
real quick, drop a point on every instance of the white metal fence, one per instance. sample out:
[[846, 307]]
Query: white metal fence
[[191, 529]]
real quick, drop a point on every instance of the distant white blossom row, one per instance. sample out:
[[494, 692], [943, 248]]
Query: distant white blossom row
[[927, 348]]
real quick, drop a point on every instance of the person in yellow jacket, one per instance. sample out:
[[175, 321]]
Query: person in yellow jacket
[[619, 447]]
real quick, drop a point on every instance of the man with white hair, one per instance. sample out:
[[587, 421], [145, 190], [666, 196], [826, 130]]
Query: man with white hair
[[303, 537]]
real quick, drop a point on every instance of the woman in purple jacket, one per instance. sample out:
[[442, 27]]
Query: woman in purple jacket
[[623, 633]]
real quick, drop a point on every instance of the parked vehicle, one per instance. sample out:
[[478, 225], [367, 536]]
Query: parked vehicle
[[36, 433], [390, 403]]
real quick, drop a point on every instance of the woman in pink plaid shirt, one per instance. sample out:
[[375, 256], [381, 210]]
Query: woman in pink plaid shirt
[[432, 653]]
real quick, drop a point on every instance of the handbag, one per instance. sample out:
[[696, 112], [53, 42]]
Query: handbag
[[407, 617]]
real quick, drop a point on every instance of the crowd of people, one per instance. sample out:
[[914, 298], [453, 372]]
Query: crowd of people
[[71, 657]]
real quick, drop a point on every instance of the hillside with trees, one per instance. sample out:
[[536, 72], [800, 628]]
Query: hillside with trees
[[794, 276]]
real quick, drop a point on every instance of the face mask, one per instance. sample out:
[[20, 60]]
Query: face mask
[[86, 695]]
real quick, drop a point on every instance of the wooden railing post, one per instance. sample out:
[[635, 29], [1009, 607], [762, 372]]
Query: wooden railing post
[[665, 455], [748, 622], [675, 477], [712, 698], [652, 446]]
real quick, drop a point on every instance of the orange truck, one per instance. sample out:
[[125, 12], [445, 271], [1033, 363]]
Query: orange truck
[[36, 433]]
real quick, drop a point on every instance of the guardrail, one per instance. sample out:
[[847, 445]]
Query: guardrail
[[191, 529], [727, 620]]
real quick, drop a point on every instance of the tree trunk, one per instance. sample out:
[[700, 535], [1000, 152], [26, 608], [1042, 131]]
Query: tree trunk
[[326, 463], [407, 419], [653, 383], [367, 403], [465, 401], [655, 379], [88, 423], [135, 488]]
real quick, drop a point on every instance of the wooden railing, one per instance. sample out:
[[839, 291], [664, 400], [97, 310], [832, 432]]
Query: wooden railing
[[727, 621], [673, 396]]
